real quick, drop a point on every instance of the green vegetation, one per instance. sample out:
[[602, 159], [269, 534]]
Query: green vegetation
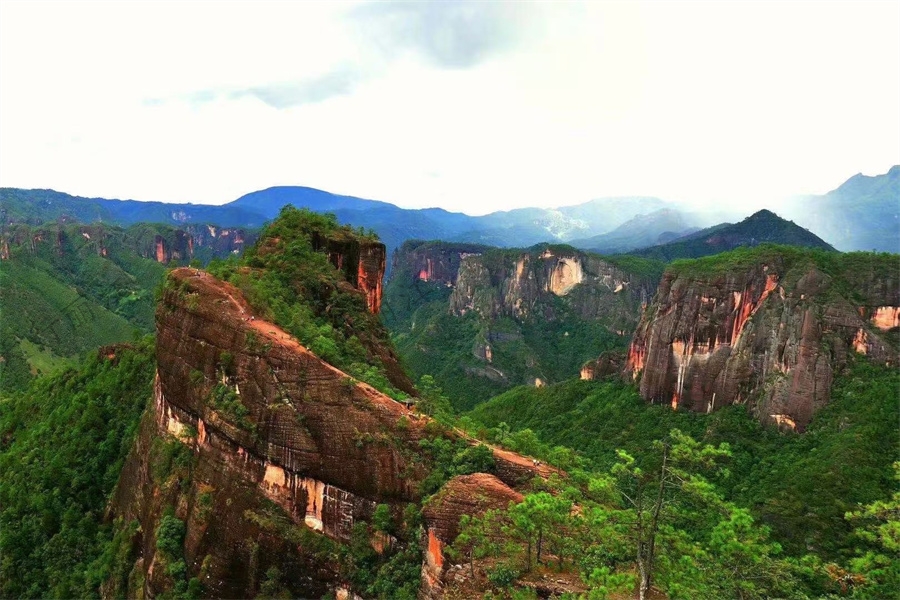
[[852, 265], [666, 518], [392, 573], [66, 289], [64, 441], [794, 514], [450, 458], [55, 321], [648, 268], [69, 289], [288, 277], [170, 553]]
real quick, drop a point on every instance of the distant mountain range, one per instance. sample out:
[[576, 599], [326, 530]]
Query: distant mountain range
[[862, 214], [658, 227]]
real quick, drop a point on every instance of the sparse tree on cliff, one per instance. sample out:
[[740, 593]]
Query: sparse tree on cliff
[[432, 401]]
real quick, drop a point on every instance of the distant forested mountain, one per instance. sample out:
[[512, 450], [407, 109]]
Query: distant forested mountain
[[394, 225], [36, 207], [763, 227], [862, 214]]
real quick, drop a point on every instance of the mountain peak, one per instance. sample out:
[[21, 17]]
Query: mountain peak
[[761, 227], [763, 214]]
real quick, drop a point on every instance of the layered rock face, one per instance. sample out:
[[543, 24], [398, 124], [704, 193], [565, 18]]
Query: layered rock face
[[183, 245], [436, 262], [266, 421], [361, 261], [518, 286], [772, 334], [471, 495], [162, 244]]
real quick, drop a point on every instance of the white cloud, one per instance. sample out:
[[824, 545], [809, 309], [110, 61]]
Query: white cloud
[[472, 107]]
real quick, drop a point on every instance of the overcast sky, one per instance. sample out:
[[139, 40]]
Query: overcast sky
[[468, 106]]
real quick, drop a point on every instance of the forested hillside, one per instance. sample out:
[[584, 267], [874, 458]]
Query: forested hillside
[[62, 444], [281, 407], [804, 531], [67, 289], [763, 227]]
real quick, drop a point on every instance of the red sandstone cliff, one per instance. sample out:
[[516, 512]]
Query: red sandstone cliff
[[435, 262], [265, 420], [362, 262], [772, 334], [471, 495]]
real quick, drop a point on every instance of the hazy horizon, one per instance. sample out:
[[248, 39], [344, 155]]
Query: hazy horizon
[[470, 107]]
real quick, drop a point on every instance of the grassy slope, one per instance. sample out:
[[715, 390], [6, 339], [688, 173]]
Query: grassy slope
[[53, 320]]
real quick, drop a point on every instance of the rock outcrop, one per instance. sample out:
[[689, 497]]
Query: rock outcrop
[[608, 364], [471, 495], [265, 422], [770, 332], [362, 262], [436, 262], [520, 285]]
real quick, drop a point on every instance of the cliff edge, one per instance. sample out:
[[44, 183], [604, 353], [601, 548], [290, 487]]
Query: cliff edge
[[768, 327]]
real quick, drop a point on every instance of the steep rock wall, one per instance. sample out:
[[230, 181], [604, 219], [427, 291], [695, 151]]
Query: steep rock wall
[[361, 261], [265, 421], [471, 495], [773, 335], [436, 262], [520, 287]]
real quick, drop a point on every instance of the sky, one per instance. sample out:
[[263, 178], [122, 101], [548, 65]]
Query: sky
[[472, 107]]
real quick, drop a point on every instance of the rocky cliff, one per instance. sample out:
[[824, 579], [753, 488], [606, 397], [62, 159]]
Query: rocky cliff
[[265, 423], [768, 327], [161, 243], [436, 262], [361, 261], [519, 285]]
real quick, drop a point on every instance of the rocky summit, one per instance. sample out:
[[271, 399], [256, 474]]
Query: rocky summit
[[279, 439]]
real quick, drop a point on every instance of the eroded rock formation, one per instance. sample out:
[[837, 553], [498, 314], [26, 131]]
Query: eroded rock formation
[[520, 287], [772, 334], [471, 495], [436, 262], [266, 421]]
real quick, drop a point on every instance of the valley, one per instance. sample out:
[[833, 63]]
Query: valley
[[294, 411]]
